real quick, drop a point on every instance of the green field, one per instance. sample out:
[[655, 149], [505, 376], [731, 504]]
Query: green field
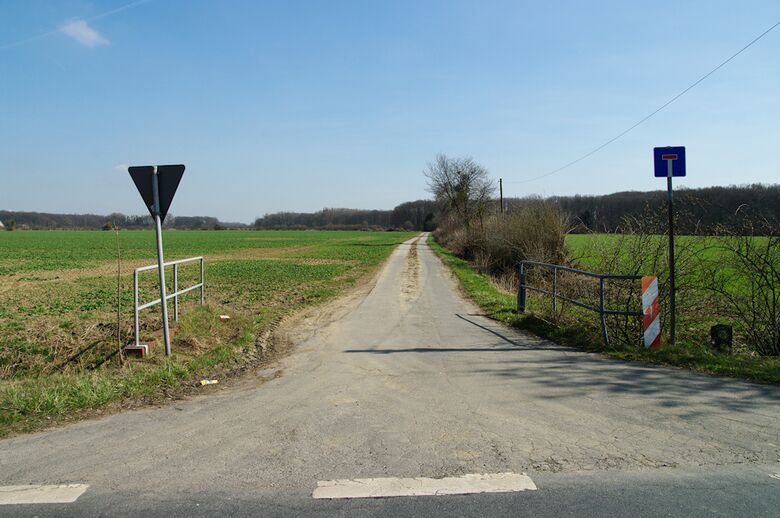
[[63, 319], [585, 248]]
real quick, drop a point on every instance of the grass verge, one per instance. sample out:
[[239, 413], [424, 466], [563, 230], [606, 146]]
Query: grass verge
[[35, 402], [500, 305]]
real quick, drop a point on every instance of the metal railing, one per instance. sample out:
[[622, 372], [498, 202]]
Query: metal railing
[[175, 295], [555, 268]]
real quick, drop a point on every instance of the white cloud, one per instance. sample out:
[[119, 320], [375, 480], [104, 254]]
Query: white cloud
[[121, 168], [80, 31]]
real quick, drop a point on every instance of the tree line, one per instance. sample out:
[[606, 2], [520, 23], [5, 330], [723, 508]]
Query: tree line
[[412, 215], [47, 221], [701, 210]]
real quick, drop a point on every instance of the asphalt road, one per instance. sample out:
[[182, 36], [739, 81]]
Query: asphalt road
[[409, 380]]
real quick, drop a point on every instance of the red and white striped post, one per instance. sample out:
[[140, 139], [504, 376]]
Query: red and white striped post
[[651, 321]]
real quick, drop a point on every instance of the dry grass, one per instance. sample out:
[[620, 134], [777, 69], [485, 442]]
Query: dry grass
[[536, 231]]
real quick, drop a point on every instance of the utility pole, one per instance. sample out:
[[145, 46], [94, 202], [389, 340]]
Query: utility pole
[[501, 193]]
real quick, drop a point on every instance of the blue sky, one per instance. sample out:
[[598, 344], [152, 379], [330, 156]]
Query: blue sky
[[288, 105]]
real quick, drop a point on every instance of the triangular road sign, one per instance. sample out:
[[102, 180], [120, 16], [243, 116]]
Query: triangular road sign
[[168, 178]]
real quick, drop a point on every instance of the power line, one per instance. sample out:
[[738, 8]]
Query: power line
[[667, 103]]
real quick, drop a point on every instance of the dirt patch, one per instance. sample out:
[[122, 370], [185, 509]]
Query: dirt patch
[[268, 239], [299, 327], [411, 286]]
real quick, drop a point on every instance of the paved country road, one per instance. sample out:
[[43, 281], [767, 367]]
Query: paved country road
[[409, 381]]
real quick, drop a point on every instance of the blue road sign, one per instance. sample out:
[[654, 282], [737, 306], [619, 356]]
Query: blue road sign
[[669, 161]]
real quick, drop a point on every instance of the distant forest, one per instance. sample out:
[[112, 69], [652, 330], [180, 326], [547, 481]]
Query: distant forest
[[42, 221], [412, 215], [700, 211]]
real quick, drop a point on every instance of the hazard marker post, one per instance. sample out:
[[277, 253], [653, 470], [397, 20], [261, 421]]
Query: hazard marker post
[[670, 162], [651, 312], [157, 185]]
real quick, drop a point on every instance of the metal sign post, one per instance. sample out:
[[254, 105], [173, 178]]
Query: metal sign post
[[160, 260], [157, 185], [670, 162]]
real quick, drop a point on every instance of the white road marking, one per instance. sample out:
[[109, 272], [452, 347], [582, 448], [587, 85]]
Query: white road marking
[[385, 487], [63, 494]]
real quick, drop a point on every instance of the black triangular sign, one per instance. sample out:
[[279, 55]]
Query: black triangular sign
[[168, 178], [142, 177]]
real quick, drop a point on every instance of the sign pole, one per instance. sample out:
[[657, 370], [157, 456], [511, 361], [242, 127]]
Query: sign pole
[[157, 184], [160, 261], [674, 158], [672, 307]]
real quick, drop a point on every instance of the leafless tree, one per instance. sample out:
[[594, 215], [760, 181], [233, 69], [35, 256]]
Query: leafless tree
[[462, 186]]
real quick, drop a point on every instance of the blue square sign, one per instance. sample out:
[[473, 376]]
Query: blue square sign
[[669, 161]]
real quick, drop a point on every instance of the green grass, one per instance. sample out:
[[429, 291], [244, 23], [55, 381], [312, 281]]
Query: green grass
[[58, 309], [501, 306], [45, 251], [583, 246]]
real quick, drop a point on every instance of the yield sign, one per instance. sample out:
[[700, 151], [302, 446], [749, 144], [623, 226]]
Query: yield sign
[[167, 177]]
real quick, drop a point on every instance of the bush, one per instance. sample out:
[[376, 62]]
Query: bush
[[536, 232], [747, 280]]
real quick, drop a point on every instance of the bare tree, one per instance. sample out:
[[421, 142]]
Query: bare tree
[[462, 186]]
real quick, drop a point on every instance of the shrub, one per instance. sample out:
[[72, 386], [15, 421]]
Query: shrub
[[536, 231], [747, 279]]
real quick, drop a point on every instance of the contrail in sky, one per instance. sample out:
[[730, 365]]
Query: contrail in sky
[[55, 31]]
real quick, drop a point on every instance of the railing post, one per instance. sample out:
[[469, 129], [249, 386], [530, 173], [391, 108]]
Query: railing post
[[176, 292], [202, 284], [521, 291], [174, 295], [604, 335], [135, 308], [555, 291]]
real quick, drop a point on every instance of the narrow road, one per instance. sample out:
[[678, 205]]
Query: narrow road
[[410, 381]]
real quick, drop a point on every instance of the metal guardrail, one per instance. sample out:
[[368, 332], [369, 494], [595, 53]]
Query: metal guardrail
[[555, 268], [175, 295]]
